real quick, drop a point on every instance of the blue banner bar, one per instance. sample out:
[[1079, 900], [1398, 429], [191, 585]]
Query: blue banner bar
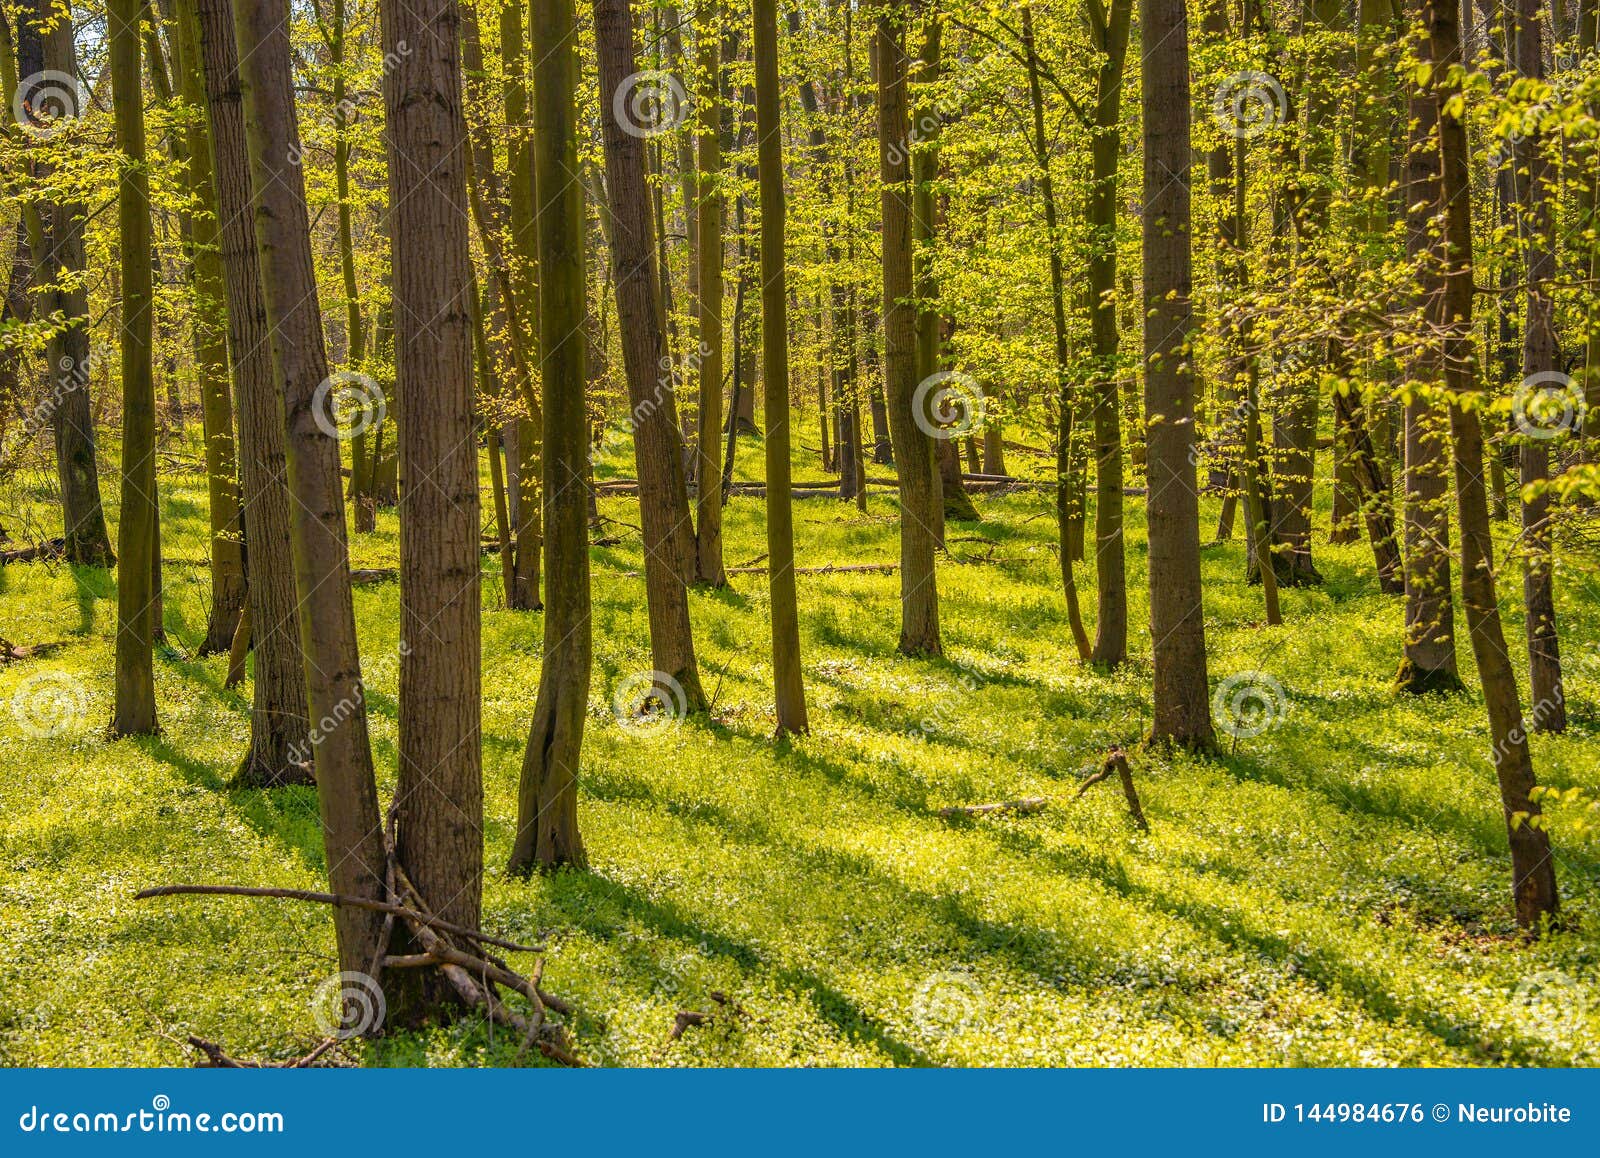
[[810, 1112]]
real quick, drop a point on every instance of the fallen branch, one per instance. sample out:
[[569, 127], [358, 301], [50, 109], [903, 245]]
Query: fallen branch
[[49, 549], [1116, 764], [220, 1059]]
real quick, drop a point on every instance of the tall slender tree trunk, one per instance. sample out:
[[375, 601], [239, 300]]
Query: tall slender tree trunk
[[547, 796], [709, 566], [1429, 660], [1540, 360], [1110, 34], [1177, 620], [279, 724], [1532, 867], [346, 792], [1067, 511], [788, 683], [919, 591], [669, 549], [135, 712]]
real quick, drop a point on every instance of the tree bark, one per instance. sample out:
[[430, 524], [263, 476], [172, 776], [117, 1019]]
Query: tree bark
[[346, 792], [669, 548], [547, 795], [1532, 867], [1177, 620], [279, 724], [788, 683], [709, 565], [135, 712]]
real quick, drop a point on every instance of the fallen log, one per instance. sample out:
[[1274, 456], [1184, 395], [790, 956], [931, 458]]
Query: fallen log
[[49, 549], [1024, 805]]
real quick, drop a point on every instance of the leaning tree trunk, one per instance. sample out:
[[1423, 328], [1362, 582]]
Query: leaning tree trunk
[[211, 355], [346, 792], [547, 796], [279, 723], [919, 591], [135, 712], [709, 567], [1429, 660], [669, 549], [1177, 620], [439, 789], [1533, 877], [1540, 362], [788, 685]]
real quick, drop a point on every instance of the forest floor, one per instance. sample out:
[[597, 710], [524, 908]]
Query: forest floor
[[1332, 891]]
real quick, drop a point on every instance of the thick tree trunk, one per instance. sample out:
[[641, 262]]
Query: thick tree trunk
[[1533, 874], [279, 725], [788, 683], [439, 791], [547, 796], [346, 792], [919, 592], [1177, 620], [669, 548], [135, 712]]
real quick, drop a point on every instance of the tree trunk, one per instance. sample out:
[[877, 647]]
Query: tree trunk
[[135, 712], [1532, 867], [1111, 619], [919, 592], [1540, 363], [346, 793], [1177, 620], [547, 795], [279, 736], [1429, 660], [788, 683], [1067, 512], [669, 549], [709, 566]]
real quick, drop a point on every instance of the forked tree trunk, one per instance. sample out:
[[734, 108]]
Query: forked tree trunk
[[709, 566], [919, 592], [1177, 621], [279, 724], [547, 796], [346, 792], [669, 549], [135, 712], [788, 684], [1533, 876]]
